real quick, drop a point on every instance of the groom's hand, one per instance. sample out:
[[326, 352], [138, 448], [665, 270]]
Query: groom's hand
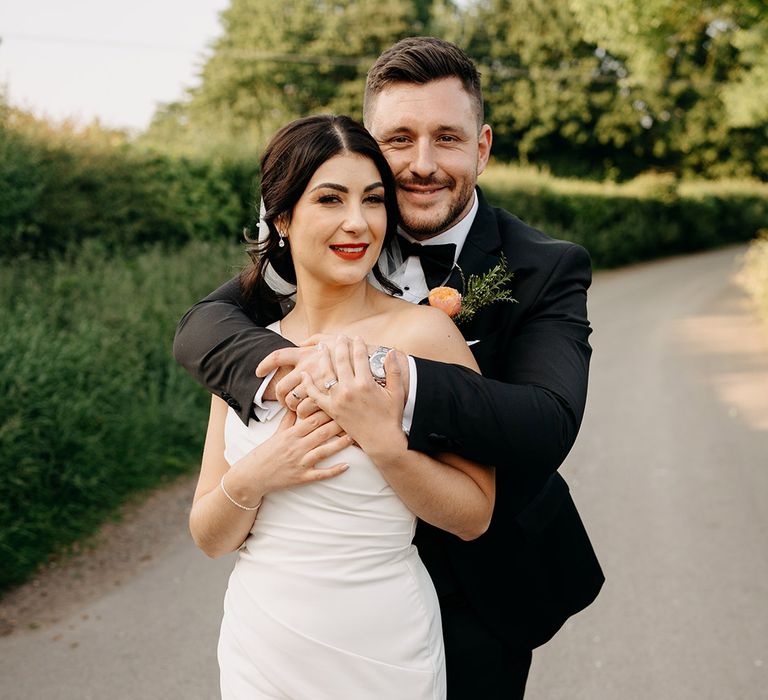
[[370, 413], [331, 341], [290, 363], [315, 356]]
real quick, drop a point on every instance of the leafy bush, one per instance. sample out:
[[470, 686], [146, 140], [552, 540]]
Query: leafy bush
[[95, 408], [58, 188], [21, 189], [648, 217]]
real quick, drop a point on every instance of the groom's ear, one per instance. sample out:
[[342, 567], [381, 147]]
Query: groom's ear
[[484, 141]]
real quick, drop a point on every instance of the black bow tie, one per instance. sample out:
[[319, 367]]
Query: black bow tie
[[436, 260]]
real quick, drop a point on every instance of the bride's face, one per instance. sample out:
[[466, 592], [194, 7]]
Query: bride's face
[[338, 225]]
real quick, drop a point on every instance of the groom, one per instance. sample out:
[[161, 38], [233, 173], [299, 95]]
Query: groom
[[510, 590]]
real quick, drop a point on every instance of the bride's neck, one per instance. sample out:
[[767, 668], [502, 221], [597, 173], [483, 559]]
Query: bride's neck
[[329, 310]]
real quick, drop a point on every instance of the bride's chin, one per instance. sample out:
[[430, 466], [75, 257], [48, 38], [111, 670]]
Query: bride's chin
[[339, 281]]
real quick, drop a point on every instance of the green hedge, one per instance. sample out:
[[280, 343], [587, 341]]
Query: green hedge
[[56, 192], [649, 217], [94, 406], [103, 248]]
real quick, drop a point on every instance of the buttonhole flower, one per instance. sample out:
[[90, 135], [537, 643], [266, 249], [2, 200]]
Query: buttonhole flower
[[481, 290]]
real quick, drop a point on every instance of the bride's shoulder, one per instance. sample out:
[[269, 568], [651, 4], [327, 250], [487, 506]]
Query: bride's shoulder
[[424, 313], [430, 333]]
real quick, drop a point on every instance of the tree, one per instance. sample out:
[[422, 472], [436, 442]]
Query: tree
[[694, 72], [276, 61], [746, 99], [545, 87], [587, 87]]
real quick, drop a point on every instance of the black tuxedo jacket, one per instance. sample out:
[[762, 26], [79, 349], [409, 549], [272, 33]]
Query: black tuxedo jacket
[[535, 566]]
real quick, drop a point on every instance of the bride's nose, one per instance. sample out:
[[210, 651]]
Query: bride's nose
[[354, 220]]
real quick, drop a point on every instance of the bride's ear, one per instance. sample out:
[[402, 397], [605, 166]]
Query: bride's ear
[[282, 224]]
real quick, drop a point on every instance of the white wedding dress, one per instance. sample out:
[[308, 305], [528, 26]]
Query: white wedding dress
[[328, 598]]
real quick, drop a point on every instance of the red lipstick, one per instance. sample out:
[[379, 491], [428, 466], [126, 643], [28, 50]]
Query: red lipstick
[[351, 251]]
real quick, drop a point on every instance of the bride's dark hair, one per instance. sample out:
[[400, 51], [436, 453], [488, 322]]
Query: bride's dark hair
[[290, 160]]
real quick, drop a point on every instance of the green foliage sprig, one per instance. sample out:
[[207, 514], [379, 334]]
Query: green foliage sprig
[[482, 290]]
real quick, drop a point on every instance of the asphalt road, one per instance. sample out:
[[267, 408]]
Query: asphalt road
[[670, 473]]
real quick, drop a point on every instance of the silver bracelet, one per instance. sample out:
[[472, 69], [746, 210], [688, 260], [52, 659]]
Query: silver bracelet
[[233, 501]]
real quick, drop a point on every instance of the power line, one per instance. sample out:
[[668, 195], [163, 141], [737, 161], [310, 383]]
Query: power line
[[247, 54], [108, 43], [234, 53], [563, 74]]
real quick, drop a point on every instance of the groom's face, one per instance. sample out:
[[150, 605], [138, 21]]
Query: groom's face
[[432, 140]]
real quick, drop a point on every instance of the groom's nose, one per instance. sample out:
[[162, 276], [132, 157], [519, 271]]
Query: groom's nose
[[423, 164]]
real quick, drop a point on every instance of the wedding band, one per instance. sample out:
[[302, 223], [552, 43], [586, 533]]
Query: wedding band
[[330, 383]]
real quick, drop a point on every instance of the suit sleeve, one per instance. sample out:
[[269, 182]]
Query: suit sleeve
[[527, 418], [220, 345]]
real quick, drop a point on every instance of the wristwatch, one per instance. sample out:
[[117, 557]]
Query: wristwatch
[[376, 363]]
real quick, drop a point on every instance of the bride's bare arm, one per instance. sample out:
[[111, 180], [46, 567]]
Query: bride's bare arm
[[446, 491], [219, 526]]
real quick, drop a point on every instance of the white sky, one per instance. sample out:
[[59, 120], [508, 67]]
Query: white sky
[[83, 59]]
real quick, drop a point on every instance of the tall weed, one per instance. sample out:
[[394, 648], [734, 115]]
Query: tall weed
[[94, 406], [753, 275]]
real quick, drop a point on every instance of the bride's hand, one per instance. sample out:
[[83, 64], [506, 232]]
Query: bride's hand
[[371, 414], [290, 456]]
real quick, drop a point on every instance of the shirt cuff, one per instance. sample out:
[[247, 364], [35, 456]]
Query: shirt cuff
[[410, 404], [262, 408]]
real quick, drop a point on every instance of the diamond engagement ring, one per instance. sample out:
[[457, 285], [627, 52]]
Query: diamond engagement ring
[[330, 383], [295, 395]]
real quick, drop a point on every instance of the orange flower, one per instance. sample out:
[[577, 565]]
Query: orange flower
[[445, 298]]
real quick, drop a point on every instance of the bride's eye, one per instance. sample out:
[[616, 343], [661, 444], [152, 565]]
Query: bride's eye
[[374, 199], [329, 199]]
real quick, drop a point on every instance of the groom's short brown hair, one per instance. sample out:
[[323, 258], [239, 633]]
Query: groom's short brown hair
[[420, 60]]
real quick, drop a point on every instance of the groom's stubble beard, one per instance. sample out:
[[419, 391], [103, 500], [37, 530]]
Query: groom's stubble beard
[[422, 224]]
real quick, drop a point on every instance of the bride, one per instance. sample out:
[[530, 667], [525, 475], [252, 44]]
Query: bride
[[328, 597]]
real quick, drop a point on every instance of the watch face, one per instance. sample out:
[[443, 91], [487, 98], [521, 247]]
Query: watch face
[[376, 361]]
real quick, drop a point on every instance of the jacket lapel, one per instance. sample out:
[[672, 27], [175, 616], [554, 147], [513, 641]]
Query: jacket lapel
[[481, 249]]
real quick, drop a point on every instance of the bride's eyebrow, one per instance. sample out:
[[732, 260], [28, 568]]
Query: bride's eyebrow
[[343, 188], [330, 186]]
